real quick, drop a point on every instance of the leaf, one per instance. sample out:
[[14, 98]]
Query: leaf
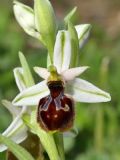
[[17, 150]]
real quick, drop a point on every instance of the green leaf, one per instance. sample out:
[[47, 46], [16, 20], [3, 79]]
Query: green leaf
[[26, 71], [45, 23], [74, 45], [70, 16], [16, 149]]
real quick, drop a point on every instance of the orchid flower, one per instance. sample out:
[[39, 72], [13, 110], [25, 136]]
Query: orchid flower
[[81, 90], [61, 75], [62, 66], [17, 130]]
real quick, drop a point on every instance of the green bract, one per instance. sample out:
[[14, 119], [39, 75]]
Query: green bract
[[74, 45], [70, 16], [17, 150]]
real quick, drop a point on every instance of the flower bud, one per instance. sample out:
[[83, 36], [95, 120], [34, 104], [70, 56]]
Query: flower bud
[[45, 23], [25, 17], [83, 32]]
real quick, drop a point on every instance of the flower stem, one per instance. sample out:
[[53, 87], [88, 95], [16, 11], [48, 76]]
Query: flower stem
[[98, 132], [60, 144], [46, 139]]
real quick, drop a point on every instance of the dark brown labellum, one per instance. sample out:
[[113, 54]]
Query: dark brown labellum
[[56, 111]]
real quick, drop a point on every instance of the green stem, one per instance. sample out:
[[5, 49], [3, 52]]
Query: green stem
[[113, 123], [46, 139], [98, 132], [99, 126], [60, 144]]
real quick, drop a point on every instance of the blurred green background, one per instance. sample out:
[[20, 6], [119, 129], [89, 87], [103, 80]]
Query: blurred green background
[[98, 124]]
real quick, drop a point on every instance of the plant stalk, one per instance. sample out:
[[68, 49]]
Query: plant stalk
[[99, 129], [60, 144]]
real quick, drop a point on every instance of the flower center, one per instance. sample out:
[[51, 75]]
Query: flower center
[[56, 88]]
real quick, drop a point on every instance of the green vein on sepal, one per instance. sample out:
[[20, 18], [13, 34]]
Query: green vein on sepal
[[74, 45], [26, 71]]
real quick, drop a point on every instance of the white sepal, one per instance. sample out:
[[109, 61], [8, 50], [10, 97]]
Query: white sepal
[[17, 131], [71, 133], [25, 17], [62, 51], [32, 95], [18, 74], [14, 111], [18, 136], [71, 73], [16, 114], [83, 91], [42, 72], [83, 31]]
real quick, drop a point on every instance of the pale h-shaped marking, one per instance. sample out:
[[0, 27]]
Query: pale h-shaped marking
[[47, 103], [57, 101]]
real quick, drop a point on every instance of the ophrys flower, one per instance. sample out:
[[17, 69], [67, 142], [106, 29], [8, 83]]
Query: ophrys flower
[[80, 90]]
